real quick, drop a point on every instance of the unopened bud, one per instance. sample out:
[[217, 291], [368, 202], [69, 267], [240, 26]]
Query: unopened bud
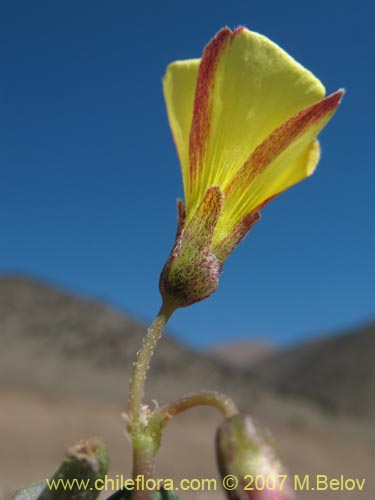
[[248, 463]]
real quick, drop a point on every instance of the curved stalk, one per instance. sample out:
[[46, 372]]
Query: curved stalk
[[144, 444], [145, 427], [162, 415]]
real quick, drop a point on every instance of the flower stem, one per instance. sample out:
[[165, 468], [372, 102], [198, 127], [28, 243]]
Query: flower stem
[[144, 444], [142, 362], [145, 427], [214, 399]]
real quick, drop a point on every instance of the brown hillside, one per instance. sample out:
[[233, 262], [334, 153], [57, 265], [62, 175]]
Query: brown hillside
[[55, 341], [336, 372]]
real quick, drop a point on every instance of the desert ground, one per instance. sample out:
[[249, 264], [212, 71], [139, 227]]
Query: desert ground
[[37, 427]]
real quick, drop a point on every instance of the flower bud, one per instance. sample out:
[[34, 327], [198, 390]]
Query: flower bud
[[248, 463]]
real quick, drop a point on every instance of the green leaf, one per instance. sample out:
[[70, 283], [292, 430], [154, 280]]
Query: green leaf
[[165, 495], [31, 492], [84, 464]]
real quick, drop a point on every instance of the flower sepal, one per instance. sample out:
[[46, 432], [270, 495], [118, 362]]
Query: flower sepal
[[192, 270]]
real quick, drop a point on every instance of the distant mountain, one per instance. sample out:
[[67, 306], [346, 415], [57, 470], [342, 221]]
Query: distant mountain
[[337, 372], [56, 341], [61, 343], [243, 354]]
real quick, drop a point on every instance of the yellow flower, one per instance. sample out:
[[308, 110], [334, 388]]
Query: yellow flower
[[244, 119]]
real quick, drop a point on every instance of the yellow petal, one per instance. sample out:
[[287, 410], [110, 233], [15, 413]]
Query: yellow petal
[[287, 156], [267, 188], [225, 245], [179, 87], [247, 86]]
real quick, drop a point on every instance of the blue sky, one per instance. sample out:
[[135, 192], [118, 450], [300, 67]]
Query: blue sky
[[89, 173]]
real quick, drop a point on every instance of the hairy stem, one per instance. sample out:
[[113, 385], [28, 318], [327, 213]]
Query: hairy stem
[[143, 469], [142, 362], [145, 427], [214, 399], [144, 444]]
